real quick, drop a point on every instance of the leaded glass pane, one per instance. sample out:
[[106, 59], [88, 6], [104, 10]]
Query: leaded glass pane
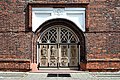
[[50, 36], [58, 34], [63, 35], [44, 55], [53, 55], [73, 55], [64, 55]]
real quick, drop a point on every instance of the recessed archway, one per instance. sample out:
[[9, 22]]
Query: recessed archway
[[71, 27]]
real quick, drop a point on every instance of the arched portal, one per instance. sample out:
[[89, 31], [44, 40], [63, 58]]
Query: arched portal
[[60, 44]]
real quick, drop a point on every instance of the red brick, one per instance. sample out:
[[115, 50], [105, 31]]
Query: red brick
[[102, 36]]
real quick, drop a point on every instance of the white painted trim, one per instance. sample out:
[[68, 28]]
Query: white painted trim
[[41, 15], [75, 9], [49, 9]]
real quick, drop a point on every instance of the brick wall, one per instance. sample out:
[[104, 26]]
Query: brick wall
[[15, 42], [102, 36]]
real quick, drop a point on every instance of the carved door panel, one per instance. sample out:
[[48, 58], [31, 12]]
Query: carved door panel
[[64, 56], [53, 55], [73, 55], [44, 55]]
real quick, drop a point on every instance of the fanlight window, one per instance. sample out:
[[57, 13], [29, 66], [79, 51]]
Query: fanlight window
[[58, 34]]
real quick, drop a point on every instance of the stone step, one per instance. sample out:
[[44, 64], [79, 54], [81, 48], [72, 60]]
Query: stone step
[[110, 74], [12, 74]]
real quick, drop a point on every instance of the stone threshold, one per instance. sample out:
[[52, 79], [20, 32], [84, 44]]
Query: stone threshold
[[90, 60]]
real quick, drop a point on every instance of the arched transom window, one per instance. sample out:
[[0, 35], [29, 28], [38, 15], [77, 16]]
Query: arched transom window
[[58, 34]]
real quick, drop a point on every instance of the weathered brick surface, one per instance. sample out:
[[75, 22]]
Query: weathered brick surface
[[103, 43], [61, 1], [103, 46], [103, 15], [103, 65], [11, 15], [7, 65], [18, 44], [102, 36]]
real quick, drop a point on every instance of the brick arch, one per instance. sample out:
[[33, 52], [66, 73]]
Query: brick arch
[[63, 22]]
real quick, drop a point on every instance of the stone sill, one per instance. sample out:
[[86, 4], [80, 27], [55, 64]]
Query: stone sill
[[103, 68], [111, 68], [105, 60], [15, 60], [57, 3]]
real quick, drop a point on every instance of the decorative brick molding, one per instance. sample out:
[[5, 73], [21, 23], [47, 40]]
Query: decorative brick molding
[[60, 1], [103, 65], [15, 65]]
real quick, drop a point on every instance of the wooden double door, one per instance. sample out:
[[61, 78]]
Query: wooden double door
[[58, 47], [58, 55]]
